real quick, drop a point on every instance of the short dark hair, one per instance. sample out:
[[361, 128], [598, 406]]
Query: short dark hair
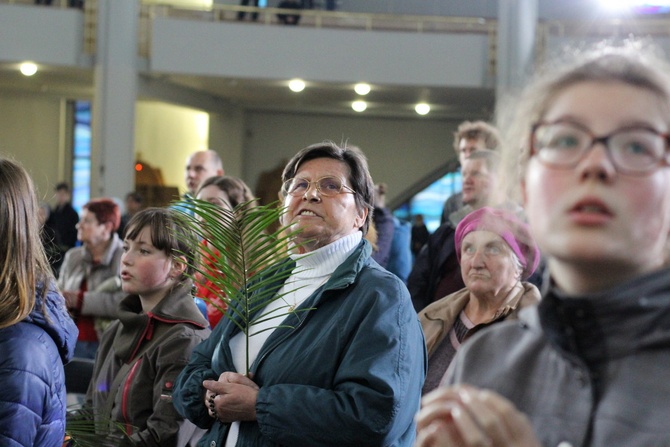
[[169, 232], [62, 186], [135, 197], [105, 210], [359, 174]]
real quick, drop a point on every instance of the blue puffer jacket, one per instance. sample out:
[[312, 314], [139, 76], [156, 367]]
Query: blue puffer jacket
[[348, 373], [32, 394]]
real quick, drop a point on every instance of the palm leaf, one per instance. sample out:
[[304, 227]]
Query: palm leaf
[[84, 429], [245, 258]]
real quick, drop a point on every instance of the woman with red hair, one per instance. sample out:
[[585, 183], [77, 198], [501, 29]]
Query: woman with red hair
[[89, 276]]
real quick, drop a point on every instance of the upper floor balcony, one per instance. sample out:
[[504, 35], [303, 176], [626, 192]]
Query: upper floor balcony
[[449, 62]]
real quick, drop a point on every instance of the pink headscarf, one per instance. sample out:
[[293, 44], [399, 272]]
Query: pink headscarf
[[509, 227]]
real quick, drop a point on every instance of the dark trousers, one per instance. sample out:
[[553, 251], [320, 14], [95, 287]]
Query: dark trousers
[[241, 14]]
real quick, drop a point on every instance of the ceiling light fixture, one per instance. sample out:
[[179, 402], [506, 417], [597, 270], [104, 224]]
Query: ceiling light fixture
[[422, 108], [362, 88], [28, 68], [296, 85], [359, 106]]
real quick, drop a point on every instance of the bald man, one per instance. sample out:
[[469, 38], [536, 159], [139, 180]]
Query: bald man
[[201, 165]]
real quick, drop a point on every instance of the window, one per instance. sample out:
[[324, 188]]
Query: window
[[430, 201], [81, 161]]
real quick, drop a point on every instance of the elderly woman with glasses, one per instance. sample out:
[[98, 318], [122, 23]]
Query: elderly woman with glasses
[[588, 365], [90, 275], [496, 252], [348, 369]]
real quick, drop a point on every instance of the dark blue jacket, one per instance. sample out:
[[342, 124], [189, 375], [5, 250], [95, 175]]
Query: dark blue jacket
[[400, 259], [348, 374], [32, 390], [430, 267], [383, 220]]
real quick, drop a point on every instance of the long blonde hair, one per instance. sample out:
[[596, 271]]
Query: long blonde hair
[[23, 263]]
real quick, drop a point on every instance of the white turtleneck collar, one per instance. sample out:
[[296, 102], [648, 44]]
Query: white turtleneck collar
[[323, 261]]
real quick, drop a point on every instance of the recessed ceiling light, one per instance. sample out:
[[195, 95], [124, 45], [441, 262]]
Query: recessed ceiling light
[[28, 69], [359, 106], [296, 85], [422, 108], [362, 88]]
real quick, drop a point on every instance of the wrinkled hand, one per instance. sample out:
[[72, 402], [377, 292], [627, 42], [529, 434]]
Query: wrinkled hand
[[231, 398], [463, 416]]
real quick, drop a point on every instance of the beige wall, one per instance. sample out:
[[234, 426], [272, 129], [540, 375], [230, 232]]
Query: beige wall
[[35, 132], [165, 135], [30, 132], [401, 152]]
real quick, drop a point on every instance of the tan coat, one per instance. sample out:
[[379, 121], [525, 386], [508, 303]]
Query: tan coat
[[438, 318]]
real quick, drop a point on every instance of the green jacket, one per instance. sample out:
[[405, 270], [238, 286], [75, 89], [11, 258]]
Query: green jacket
[[349, 372]]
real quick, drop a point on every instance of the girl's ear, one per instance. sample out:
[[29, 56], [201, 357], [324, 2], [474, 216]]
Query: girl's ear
[[178, 267]]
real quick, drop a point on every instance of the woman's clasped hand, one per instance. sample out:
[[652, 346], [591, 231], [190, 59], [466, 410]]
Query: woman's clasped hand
[[231, 398]]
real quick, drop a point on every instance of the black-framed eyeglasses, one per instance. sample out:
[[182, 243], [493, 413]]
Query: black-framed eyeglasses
[[326, 186], [632, 150]]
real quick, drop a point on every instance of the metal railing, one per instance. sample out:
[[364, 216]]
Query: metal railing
[[90, 27], [330, 19], [322, 19]]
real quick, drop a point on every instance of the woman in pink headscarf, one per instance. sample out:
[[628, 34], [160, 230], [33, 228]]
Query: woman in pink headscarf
[[496, 252]]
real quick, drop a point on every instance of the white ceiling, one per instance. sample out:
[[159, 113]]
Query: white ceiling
[[253, 94]]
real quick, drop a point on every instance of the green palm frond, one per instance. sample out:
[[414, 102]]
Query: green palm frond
[[245, 257], [84, 429]]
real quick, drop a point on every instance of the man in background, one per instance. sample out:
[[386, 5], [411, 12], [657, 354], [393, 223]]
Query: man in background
[[242, 14], [201, 165], [468, 138], [436, 272], [133, 204], [420, 234], [63, 218]]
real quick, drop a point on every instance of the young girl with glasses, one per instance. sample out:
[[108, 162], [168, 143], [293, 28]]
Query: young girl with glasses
[[587, 366]]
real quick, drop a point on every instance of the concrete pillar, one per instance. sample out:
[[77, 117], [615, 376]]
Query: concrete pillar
[[517, 21], [113, 113], [226, 136]]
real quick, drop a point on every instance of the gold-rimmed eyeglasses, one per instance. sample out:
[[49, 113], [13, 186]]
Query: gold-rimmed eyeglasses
[[326, 186]]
